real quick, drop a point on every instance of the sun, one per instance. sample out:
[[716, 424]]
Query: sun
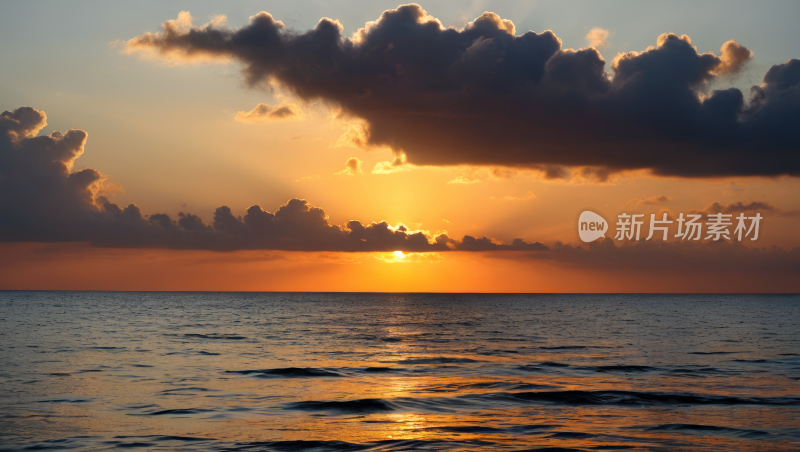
[[399, 255]]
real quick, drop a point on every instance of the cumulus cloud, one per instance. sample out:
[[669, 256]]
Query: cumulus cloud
[[351, 167], [43, 199], [265, 113], [597, 37], [172, 30], [470, 243], [397, 165], [734, 57], [483, 95], [36, 177]]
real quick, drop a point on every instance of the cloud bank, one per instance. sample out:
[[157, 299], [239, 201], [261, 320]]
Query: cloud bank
[[484, 95], [43, 200], [671, 256], [747, 207]]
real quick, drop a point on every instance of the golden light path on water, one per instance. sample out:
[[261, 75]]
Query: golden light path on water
[[203, 371]]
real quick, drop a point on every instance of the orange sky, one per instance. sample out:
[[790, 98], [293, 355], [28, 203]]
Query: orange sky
[[182, 149], [76, 267]]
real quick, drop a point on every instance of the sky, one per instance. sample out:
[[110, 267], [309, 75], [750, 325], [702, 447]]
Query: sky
[[440, 147]]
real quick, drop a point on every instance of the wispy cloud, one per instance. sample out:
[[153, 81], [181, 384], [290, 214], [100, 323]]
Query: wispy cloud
[[266, 113]]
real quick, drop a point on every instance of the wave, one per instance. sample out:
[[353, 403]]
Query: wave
[[382, 369], [287, 372], [553, 364], [516, 429], [635, 398], [348, 406], [567, 398], [439, 360], [456, 387], [230, 337], [567, 347], [179, 391], [710, 429], [343, 446], [178, 411], [621, 368]]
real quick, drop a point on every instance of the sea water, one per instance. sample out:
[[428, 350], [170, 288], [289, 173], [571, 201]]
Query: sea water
[[339, 372]]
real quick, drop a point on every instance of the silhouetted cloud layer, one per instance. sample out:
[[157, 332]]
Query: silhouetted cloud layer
[[671, 256], [746, 207], [484, 95], [43, 200]]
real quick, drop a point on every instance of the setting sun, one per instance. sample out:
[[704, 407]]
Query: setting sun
[[375, 225]]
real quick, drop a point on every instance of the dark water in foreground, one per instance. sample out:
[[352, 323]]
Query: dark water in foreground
[[384, 372]]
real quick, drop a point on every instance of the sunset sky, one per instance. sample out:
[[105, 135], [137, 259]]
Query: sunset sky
[[136, 137]]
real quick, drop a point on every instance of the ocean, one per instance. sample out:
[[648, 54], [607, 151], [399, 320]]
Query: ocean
[[184, 371]]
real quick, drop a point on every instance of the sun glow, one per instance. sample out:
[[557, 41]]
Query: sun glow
[[399, 255]]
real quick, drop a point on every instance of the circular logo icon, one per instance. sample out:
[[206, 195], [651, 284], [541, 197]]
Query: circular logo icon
[[591, 226]]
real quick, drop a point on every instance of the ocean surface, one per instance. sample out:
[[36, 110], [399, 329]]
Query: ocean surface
[[390, 372]]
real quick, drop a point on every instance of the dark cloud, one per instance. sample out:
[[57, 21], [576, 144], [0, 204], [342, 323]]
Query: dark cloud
[[36, 177], [483, 95], [43, 200], [747, 207], [671, 256], [264, 113], [739, 206], [750, 208], [485, 244]]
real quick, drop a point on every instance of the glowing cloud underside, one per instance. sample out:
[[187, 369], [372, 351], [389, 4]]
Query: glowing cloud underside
[[43, 200], [485, 95]]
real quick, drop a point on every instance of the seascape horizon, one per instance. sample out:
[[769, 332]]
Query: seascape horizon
[[370, 225], [320, 372]]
